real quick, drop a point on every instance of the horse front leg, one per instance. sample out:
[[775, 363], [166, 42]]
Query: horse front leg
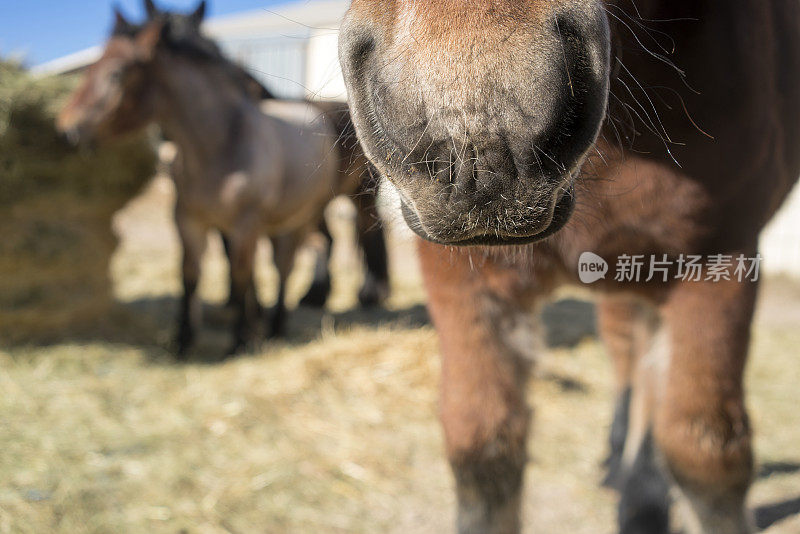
[[226, 245], [242, 242], [487, 340], [192, 235], [700, 423]]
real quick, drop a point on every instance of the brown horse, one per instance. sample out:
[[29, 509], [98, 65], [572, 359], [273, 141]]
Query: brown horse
[[240, 169], [647, 129]]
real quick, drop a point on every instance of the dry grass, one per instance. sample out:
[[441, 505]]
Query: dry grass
[[332, 431], [56, 204]]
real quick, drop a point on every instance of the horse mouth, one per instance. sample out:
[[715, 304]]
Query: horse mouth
[[524, 232]]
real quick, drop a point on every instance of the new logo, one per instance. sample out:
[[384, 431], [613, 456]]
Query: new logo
[[591, 268]]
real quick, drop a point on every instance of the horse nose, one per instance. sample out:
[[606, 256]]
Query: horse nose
[[450, 165], [471, 170], [69, 126], [77, 137]]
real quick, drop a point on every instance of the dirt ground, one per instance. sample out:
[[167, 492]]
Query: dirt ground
[[332, 430]]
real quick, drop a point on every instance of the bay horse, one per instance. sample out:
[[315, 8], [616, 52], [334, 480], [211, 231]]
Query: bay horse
[[243, 167], [516, 135]]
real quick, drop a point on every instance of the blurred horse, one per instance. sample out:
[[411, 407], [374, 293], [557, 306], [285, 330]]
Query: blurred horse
[[244, 171], [645, 129]]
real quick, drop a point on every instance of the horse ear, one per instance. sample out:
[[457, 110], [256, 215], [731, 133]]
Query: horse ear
[[148, 39], [121, 24], [199, 13], [151, 9]]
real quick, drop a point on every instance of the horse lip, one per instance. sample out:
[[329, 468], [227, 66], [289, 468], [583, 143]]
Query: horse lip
[[78, 136], [560, 215]]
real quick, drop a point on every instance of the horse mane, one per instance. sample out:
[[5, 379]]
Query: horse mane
[[179, 35]]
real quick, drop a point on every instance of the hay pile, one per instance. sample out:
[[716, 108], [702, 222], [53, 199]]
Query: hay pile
[[56, 205]]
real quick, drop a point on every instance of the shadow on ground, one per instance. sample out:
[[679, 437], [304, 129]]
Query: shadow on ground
[[566, 322], [777, 468], [149, 324], [770, 514], [156, 318]]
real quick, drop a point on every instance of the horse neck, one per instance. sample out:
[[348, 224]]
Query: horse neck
[[200, 108]]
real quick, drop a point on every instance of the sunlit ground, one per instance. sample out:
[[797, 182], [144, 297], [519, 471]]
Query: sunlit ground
[[333, 430]]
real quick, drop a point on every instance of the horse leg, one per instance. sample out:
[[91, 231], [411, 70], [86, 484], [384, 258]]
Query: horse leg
[[700, 423], [627, 327], [487, 339], [284, 248], [631, 332], [320, 288], [193, 241], [243, 242], [226, 244], [617, 320], [372, 241]]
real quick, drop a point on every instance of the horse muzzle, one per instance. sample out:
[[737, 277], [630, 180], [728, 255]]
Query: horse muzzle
[[482, 122]]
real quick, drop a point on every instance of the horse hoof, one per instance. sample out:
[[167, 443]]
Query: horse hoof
[[181, 346], [373, 293], [276, 332], [276, 323], [647, 521], [317, 295], [237, 348]]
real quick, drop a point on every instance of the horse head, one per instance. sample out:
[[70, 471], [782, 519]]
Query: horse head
[[116, 95]]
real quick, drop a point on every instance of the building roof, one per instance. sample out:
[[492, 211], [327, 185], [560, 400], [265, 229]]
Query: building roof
[[300, 16], [69, 63], [295, 18]]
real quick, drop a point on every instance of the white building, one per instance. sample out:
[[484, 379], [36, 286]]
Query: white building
[[292, 49], [780, 240]]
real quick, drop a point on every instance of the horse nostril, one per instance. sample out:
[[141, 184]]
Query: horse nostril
[[358, 45]]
